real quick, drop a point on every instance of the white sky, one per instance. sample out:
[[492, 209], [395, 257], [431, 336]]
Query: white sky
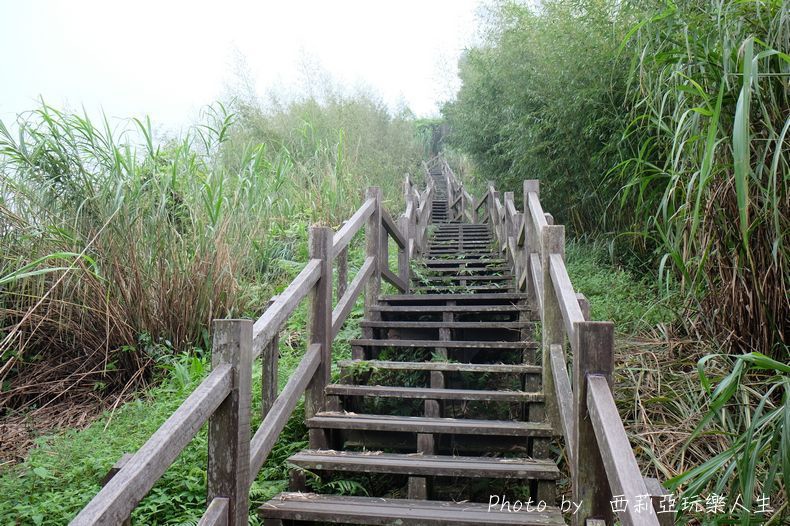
[[169, 58]]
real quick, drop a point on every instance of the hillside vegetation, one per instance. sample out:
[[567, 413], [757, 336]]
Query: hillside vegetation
[[661, 123], [119, 248]]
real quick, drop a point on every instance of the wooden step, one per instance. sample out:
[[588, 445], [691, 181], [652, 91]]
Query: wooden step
[[502, 368], [467, 277], [386, 324], [422, 424], [461, 269], [467, 262], [452, 308], [428, 393], [417, 464], [398, 512], [460, 288], [453, 297], [452, 344]]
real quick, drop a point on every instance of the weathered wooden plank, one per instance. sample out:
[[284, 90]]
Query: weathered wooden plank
[[341, 260], [584, 305], [465, 277], [403, 512], [552, 243], [451, 288], [320, 327], [228, 472], [427, 393], [443, 366], [116, 500], [657, 493], [595, 355], [427, 465], [622, 471], [536, 212], [482, 309], [373, 249], [537, 278], [269, 430], [267, 325], [216, 514], [125, 458], [346, 303], [394, 279], [465, 263], [455, 344], [343, 237], [418, 424], [566, 297], [562, 389], [392, 228], [454, 297], [446, 324]]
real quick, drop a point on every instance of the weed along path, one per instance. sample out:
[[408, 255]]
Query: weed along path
[[450, 407]]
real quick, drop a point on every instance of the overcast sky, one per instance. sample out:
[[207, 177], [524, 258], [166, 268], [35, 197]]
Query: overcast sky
[[167, 59]]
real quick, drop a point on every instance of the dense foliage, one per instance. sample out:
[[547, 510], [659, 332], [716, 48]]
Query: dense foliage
[[661, 123], [118, 248]]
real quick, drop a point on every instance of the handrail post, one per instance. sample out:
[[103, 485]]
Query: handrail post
[[270, 357], [595, 355], [229, 427], [507, 228], [532, 240], [373, 249], [342, 270], [320, 329], [552, 327]]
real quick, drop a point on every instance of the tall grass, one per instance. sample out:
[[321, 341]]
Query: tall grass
[[709, 99], [662, 125], [118, 250]]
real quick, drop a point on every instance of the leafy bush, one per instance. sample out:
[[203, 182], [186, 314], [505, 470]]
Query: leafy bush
[[660, 122]]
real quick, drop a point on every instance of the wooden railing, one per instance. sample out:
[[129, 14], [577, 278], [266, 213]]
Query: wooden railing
[[223, 399], [579, 405]]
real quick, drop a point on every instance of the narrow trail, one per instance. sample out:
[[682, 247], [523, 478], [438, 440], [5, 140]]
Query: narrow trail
[[457, 356], [446, 414]]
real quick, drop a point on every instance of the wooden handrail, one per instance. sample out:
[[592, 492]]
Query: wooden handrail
[[392, 229], [353, 225], [622, 470], [216, 513], [269, 430], [347, 301], [582, 410], [562, 388], [272, 319], [116, 500], [569, 303]]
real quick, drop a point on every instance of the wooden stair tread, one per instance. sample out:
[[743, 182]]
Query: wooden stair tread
[[503, 368], [454, 297], [438, 287], [429, 393], [451, 308], [400, 512], [426, 465], [492, 261], [467, 277], [387, 324], [449, 344], [422, 424]]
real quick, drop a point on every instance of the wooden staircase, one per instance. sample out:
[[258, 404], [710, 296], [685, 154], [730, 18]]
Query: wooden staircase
[[443, 416], [441, 407]]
